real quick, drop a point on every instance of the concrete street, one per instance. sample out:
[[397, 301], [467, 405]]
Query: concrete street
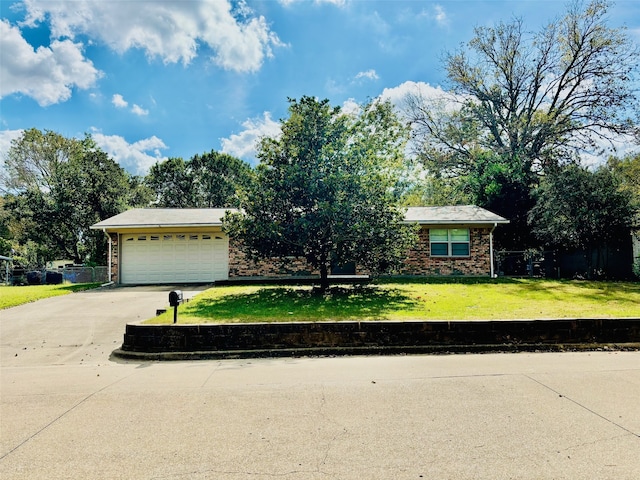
[[67, 411]]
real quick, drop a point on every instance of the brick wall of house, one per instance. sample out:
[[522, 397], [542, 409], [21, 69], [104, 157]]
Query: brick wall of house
[[240, 265], [115, 256], [420, 262]]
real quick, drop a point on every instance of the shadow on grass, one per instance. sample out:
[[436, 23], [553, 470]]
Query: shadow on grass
[[417, 280], [303, 304], [624, 293]]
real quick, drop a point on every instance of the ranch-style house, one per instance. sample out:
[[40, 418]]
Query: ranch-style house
[[174, 246]]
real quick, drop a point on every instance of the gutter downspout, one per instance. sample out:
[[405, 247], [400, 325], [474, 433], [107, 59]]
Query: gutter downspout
[[491, 248]]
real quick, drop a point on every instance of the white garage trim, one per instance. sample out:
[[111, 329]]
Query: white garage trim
[[167, 257]]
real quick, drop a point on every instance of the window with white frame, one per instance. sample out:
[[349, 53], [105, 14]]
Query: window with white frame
[[449, 242]]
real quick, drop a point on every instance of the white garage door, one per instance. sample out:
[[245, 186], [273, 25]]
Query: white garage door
[[174, 258]]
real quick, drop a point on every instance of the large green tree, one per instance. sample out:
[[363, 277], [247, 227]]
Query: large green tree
[[5, 233], [627, 170], [170, 183], [325, 190], [577, 209], [526, 105], [210, 180], [218, 179], [58, 187]]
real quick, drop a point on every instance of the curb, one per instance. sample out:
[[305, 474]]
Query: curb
[[120, 354]]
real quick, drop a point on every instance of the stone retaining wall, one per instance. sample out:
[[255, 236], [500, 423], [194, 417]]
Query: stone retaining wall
[[371, 335]]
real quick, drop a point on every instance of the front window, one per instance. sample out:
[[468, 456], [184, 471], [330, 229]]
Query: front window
[[449, 242]]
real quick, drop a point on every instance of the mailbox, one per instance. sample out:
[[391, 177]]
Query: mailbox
[[175, 298]]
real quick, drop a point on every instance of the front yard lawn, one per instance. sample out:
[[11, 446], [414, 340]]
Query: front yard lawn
[[435, 299], [11, 296]]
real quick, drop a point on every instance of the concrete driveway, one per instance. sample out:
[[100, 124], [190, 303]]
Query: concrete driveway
[[80, 327]]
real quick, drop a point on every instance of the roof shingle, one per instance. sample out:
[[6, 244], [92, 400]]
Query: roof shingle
[[212, 217]]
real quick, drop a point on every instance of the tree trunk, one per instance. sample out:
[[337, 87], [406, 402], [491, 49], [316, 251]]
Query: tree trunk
[[589, 258], [324, 278]]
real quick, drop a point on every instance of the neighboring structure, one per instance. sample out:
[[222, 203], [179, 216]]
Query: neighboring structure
[[59, 264], [155, 246]]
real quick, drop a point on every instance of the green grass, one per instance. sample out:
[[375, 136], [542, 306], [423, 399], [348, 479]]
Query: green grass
[[13, 296], [463, 299]]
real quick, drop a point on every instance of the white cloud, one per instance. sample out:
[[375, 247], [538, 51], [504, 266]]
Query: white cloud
[[172, 31], [369, 75], [436, 14], [243, 144], [47, 74], [6, 137], [440, 15], [138, 110], [138, 157], [397, 95], [338, 3], [119, 101], [351, 107]]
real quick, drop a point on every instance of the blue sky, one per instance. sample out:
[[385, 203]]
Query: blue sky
[[157, 79]]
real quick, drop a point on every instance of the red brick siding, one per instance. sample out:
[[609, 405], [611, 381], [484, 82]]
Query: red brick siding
[[115, 256], [240, 265], [420, 262]]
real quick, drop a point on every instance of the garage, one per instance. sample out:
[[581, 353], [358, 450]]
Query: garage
[[167, 245], [152, 258]]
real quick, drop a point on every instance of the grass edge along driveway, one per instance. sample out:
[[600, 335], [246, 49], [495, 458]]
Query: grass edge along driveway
[[12, 296], [462, 299]]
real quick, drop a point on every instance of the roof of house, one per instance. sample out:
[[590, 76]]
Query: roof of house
[[164, 217], [207, 217], [454, 214]]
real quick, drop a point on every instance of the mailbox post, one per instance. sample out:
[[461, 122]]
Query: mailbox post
[[175, 299]]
